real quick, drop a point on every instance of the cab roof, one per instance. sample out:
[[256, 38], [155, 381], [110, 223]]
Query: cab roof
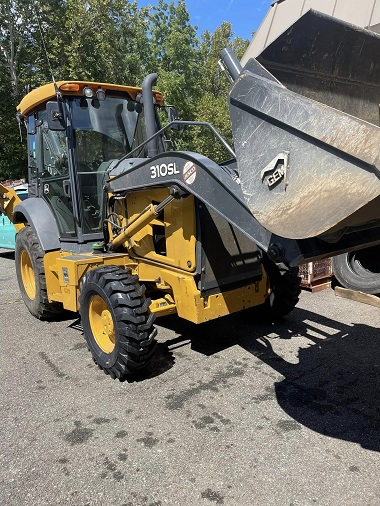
[[47, 92]]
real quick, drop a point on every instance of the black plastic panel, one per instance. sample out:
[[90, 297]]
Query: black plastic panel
[[229, 259]]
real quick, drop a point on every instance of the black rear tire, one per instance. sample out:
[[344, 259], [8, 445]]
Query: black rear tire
[[359, 270], [116, 321], [284, 292], [29, 261], [284, 289]]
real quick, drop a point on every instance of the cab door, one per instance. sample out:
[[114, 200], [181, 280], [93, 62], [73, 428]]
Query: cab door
[[54, 177]]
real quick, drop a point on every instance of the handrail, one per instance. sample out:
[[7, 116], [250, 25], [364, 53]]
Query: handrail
[[178, 122]]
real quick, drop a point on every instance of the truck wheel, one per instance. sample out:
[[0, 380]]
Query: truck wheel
[[359, 270], [116, 321], [31, 279]]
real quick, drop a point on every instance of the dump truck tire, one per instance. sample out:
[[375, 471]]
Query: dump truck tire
[[116, 321], [359, 270], [29, 259]]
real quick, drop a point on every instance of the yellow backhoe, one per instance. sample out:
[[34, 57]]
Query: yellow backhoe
[[122, 230]]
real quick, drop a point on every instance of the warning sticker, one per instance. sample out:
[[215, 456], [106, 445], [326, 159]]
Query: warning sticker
[[189, 173]]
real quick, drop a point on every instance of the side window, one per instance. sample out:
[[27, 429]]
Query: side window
[[56, 189], [139, 136], [93, 152], [54, 152]]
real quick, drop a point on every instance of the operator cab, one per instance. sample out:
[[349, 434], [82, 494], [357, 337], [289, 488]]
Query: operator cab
[[74, 141]]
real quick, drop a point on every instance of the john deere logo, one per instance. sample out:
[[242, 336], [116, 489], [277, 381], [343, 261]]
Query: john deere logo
[[189, 173]]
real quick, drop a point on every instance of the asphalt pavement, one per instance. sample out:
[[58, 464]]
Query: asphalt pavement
[[232, 412]]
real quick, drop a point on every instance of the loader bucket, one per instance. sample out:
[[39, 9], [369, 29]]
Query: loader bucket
[[308, 162]]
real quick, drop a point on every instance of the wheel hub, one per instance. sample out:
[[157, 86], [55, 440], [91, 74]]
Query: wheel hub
[[27, 275], [102, 325]]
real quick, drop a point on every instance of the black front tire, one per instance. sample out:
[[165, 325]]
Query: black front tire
[[359, 270], [29, 261], [116, 321]]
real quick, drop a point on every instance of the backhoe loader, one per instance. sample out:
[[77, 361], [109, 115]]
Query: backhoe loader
[[122, 230]]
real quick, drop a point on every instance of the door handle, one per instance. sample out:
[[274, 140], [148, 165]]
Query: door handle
[[67, 188]]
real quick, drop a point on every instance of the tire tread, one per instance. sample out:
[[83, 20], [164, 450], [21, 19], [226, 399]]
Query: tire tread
[[135, 331], [40, 307]]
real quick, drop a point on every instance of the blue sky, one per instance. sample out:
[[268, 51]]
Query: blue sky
[[244, 15]]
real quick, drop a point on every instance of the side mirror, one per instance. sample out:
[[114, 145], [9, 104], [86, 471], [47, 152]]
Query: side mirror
[[55, 116], [173, 116]]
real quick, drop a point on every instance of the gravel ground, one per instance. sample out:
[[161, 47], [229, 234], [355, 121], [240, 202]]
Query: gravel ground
[[231, 412]]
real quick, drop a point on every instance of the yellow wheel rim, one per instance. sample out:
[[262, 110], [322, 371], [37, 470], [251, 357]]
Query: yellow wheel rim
[[27, 275], [101, 324]]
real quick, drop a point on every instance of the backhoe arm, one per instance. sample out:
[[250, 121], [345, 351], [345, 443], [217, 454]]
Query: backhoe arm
[[8, 201]]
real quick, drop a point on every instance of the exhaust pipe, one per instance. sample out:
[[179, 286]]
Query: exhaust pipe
[[229, 62], [149, 112]]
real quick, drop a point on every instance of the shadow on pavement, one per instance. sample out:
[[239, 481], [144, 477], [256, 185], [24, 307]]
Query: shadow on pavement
[[334, 389], [9, 254], [162, 360]]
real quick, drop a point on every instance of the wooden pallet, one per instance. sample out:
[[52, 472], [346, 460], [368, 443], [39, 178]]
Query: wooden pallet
[[372, 300], [316, 276]]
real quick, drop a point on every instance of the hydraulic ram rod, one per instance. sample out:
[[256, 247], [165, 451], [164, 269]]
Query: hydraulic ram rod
[[143, 219]]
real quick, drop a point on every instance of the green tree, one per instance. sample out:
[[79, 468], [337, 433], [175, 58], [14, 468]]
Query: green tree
[[112, 41], [45, 36], [173, 53], [105, 40], [213, 104], [14, 24]]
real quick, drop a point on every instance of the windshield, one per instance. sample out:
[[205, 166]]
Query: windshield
[[104, 131]]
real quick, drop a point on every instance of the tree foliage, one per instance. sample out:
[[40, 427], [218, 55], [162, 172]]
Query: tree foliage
[[112, 41], [106, 40], [213, 106]]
